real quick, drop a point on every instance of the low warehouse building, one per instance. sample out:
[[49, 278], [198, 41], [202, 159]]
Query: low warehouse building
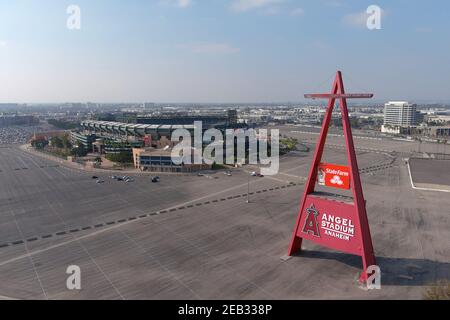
[[160, 160]]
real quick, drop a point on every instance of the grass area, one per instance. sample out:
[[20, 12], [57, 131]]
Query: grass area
[[438, 291], [288, 144], [216, 166]]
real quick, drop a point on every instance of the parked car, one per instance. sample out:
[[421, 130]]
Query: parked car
[[155, 179]]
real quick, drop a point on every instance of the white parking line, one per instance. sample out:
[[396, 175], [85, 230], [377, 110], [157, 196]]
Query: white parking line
[[7, 298]]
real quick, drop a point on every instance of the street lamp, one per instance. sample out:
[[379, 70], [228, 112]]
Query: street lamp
[[248, 180], [248, 188]]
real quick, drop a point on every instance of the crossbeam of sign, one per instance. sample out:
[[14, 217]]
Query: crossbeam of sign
[[329, 222], [338, 96]]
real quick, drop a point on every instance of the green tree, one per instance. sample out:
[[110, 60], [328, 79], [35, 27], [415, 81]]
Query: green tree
[[79, 150], [62, 124], [57, 142], [39, 144], [65, 140], [121, 157]]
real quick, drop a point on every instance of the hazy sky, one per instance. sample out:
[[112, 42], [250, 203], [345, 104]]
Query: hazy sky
[[221, 50]]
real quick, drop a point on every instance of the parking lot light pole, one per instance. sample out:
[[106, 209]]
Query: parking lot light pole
[[248, 179], [248, 188]]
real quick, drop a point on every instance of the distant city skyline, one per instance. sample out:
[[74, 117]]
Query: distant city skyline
[[221, 51]]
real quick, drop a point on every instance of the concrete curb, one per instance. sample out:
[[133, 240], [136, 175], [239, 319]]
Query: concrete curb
[[419, 188]]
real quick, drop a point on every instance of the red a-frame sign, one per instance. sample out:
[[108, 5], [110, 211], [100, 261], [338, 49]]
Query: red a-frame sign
[[334, 223]]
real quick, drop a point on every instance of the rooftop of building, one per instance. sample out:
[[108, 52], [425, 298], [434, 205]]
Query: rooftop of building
[[136, 126], [150, 151], [154, 152], [399, 103]]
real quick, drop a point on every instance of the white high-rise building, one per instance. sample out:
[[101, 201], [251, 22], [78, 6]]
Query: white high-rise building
[[399, 114]]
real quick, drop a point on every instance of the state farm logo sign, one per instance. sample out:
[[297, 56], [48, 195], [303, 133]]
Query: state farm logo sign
[[336, 180], [331, 175], [328, 224]]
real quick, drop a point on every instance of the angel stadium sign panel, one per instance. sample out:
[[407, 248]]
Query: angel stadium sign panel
[[331, 223], [333, 226]]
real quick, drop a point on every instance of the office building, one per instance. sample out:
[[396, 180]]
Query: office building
[[397, 115]]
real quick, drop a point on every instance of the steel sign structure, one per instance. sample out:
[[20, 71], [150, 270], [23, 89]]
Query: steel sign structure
[[331, 221]]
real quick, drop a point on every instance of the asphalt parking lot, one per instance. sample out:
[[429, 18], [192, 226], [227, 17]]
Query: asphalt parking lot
[[191, 237], [430, 173], [20, 134]]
